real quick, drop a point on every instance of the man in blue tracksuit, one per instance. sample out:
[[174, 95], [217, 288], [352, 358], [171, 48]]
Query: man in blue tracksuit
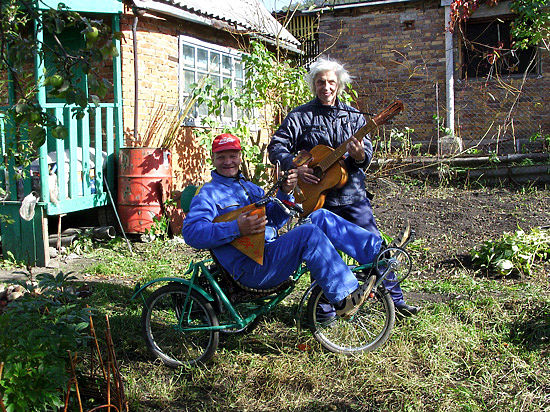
[[327, 121], [316, 243]]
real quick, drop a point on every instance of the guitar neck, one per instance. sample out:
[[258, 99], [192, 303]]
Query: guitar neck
[[372, 124], [341, 150]]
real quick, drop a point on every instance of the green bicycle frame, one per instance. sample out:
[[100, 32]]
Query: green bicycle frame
[[237, 321]]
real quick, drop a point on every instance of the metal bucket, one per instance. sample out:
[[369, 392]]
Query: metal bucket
[[144, 184]]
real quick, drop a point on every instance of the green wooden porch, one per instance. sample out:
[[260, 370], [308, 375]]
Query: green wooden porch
[[67, 175]]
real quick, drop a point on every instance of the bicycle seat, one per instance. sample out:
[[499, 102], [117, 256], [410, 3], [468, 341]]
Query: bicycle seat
[[236, 292]]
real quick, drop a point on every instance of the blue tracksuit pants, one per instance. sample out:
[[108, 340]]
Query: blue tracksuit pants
[[361, 214], [316, 243]]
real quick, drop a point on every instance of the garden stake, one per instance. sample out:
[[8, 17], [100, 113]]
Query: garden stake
[[73, 379], [97, 408], [116, 372], [107, 332], [92, 331]]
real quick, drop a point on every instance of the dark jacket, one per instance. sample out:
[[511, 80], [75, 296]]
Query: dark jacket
[[312, 124]]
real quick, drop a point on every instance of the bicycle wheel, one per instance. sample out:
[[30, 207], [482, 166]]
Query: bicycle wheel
[[365, 331], [163, 336], [400, 263]]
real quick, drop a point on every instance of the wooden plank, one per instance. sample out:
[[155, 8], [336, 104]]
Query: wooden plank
[[73, 145], [81, 203], [98, 145], [12, 184], [85, 129], [3, 170], [117, 85], [38, 61], [44, 173], [96, 6], [26, 240], [60, 156], [110, 171]]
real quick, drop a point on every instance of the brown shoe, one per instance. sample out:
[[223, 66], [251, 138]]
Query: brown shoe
[[351, 304]]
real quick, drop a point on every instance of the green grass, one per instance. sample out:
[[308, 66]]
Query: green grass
[[479, 344]]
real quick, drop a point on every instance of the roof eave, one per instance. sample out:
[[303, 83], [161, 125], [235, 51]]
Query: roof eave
[[289, 46], [355, 5], [177, 12]]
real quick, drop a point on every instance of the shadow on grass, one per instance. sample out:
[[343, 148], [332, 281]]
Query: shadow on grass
[[276, 331], [271, 336], [112, 300], [532, 330]]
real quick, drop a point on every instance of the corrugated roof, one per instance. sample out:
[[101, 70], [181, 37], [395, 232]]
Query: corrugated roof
[[341, 4], [245, 15]]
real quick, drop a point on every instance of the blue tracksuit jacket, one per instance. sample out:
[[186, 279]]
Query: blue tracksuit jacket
[[219, 196]]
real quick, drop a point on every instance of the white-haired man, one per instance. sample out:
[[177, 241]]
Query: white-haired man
[[326, 120]]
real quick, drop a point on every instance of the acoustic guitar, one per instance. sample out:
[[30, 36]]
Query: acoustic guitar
[[328, 165]]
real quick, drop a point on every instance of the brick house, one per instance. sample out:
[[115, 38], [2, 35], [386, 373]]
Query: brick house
[[493, 97], [179, 41], [169, 45]]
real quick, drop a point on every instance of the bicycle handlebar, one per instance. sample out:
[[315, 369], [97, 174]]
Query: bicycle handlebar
[[290, 208]]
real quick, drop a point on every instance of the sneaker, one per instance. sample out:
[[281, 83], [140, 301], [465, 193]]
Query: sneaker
[[351, 304], [325, 312]]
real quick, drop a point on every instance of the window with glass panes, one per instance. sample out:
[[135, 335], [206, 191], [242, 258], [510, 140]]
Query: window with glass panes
[[222, 64]]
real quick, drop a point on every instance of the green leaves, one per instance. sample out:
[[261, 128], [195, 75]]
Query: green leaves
[[73, 46], [40, 329], [271, 88], [532, 25], [513, 253]]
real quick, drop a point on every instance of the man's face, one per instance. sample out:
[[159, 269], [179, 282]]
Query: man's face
[[326, 85], [227, 162]]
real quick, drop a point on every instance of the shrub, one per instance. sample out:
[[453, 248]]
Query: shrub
[[37, 332], [513, 253]]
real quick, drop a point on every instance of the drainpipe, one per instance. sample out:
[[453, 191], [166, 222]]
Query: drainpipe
[[450, 143], [137, 13]]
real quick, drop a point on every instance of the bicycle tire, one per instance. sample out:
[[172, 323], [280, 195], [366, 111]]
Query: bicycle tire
[[160, 318], [365, 331]]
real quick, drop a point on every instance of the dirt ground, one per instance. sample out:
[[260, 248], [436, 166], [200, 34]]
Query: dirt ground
[[452, 221]]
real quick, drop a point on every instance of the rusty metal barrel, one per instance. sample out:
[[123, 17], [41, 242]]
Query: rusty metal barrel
[[144, 184]]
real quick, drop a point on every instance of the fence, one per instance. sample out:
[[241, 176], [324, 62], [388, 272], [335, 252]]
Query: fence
[[498, 117]]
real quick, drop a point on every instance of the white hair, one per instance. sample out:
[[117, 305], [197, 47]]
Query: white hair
[[323, 65]]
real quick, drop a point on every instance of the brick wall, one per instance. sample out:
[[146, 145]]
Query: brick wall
[[158, 83], [398, 51]]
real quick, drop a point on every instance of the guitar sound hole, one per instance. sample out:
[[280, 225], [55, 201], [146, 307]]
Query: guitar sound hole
[[318, 172]]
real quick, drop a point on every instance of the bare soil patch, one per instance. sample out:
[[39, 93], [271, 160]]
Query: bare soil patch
[[451, 221]]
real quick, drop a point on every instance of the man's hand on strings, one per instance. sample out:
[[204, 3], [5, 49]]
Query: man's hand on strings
[[305, 173], [251, 224], [356, 149]]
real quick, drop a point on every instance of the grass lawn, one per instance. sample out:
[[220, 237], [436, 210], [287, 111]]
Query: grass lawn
[[480, 343]]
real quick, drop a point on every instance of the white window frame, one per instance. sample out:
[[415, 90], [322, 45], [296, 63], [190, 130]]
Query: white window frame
[[190, 66]]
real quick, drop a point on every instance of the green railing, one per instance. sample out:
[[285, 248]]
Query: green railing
[[70, 174]]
